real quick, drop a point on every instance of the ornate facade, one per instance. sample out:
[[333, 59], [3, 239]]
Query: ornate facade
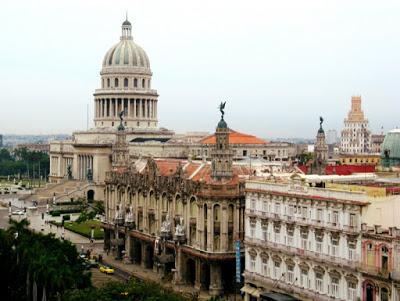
[[178, 218]]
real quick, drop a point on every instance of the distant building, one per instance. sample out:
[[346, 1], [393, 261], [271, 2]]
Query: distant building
[[355, 137], [331, 137], [38, 147], [360, 159], [376, 142]]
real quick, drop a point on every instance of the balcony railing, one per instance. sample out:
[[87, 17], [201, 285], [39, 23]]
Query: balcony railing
[[290, 288], [377, 271], [354, 263]]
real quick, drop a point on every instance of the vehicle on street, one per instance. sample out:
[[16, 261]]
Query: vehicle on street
[[17, 212], [106, 270]]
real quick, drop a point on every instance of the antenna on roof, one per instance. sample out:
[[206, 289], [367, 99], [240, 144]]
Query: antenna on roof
[[126, 15]]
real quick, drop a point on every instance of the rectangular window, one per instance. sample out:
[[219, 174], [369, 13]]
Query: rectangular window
[[290, 241], [264, 233], [265, 267], [265, 206], [304, 278], [290, 273], [319, 215], [318, 247], [353, 221], [351, 291], [252, 263], [291, 210], [278, 237], [335, 246], [252, 230], [277, 208], [319, 283], [335, 217], [304, 212], [304, 243], [253, 204], [335, 287], [277, 270]]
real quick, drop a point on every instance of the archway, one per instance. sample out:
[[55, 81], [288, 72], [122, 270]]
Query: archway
[[90, 195], [369, 292]]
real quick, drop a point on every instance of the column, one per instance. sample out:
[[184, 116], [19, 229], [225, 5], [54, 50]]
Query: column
[[236, 220], [197, 281], [134, 108], [129, 107], [178, 266], [200, 227], [215, 280], [144, 257], [224, 228], [210, 227]]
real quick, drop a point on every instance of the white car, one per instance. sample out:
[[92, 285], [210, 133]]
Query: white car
[[17, 212]]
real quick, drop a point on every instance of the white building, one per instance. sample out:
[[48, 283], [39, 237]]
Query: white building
[[308, 241], [355, 137]]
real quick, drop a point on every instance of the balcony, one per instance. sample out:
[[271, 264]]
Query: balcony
[[377, 271], [323, 258], [290, 288]]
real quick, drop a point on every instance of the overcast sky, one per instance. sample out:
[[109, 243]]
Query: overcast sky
[[278, 64]]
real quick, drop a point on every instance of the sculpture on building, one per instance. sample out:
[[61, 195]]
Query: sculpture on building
[[166, 225], [180, 229], [222, 108], [69, 172], [89, 174], [121, 118]]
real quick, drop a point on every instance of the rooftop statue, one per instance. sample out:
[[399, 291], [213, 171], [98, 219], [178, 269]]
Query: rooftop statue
[[222, 108], [321, 120]]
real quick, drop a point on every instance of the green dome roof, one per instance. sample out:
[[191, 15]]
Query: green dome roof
[[391, 147], [222, 124]]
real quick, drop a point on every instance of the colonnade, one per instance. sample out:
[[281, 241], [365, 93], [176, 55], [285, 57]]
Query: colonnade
[[84, 163], [134, 108]]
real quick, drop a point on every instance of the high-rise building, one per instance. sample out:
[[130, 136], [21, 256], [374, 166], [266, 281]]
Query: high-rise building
[[355, 137], [331, 137]]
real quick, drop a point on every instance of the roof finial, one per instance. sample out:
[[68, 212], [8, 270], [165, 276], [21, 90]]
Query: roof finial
[[126, 15]]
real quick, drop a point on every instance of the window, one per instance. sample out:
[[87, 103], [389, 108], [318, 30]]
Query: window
[[143, 83], [277, 269], [291, 210], [304, 243], [253, 204], [244, 153], [335, 287], [265, 205], [116, 83], [290, 273], [135, 82], [304, 278], [335, 217], [278, 237], [252, 263], [353, 220], [277, 208], [265, 267], [252, 228], [335, 246], [352, 250], [264, 233], [126, 83], [319, 215], [108, 82], [290, 240], [304, 212], [319, 282], [351, 291]]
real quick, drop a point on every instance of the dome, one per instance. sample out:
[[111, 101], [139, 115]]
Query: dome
[[391, 148], [126, 53]]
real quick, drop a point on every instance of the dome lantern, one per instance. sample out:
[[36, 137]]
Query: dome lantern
[[126, 30]]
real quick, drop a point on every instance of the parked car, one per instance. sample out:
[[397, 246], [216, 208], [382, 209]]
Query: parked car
[[106, 270]]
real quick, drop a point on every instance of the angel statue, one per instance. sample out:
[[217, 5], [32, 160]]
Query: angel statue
[[222, 108], [321, 120]]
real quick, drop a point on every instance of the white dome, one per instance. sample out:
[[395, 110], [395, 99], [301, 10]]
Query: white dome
[[126, 53]]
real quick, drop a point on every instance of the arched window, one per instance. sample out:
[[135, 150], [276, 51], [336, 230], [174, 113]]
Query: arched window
[[135, 82], [148, 83], [102, 82], [384, 294], [143, 83], [108, 83], [116, 82], [125, 82]]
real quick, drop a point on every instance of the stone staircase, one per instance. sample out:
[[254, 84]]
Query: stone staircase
[[65, 189]]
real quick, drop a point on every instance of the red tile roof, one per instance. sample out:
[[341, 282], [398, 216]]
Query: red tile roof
[[342, 170], [236, 138]]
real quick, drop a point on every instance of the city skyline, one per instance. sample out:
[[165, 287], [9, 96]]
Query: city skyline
[[311, 70]]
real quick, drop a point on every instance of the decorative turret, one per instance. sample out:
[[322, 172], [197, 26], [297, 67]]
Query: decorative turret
[[120, 151], [126, 30], [222, 154], [320, 150]]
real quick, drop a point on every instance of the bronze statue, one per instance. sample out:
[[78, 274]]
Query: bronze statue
[[321, 120], [121, 115], [222, 108]]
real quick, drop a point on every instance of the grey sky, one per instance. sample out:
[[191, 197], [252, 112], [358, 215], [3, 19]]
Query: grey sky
[[279, 64]]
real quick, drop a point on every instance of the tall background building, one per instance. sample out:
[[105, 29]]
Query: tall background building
[[355, 137]]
